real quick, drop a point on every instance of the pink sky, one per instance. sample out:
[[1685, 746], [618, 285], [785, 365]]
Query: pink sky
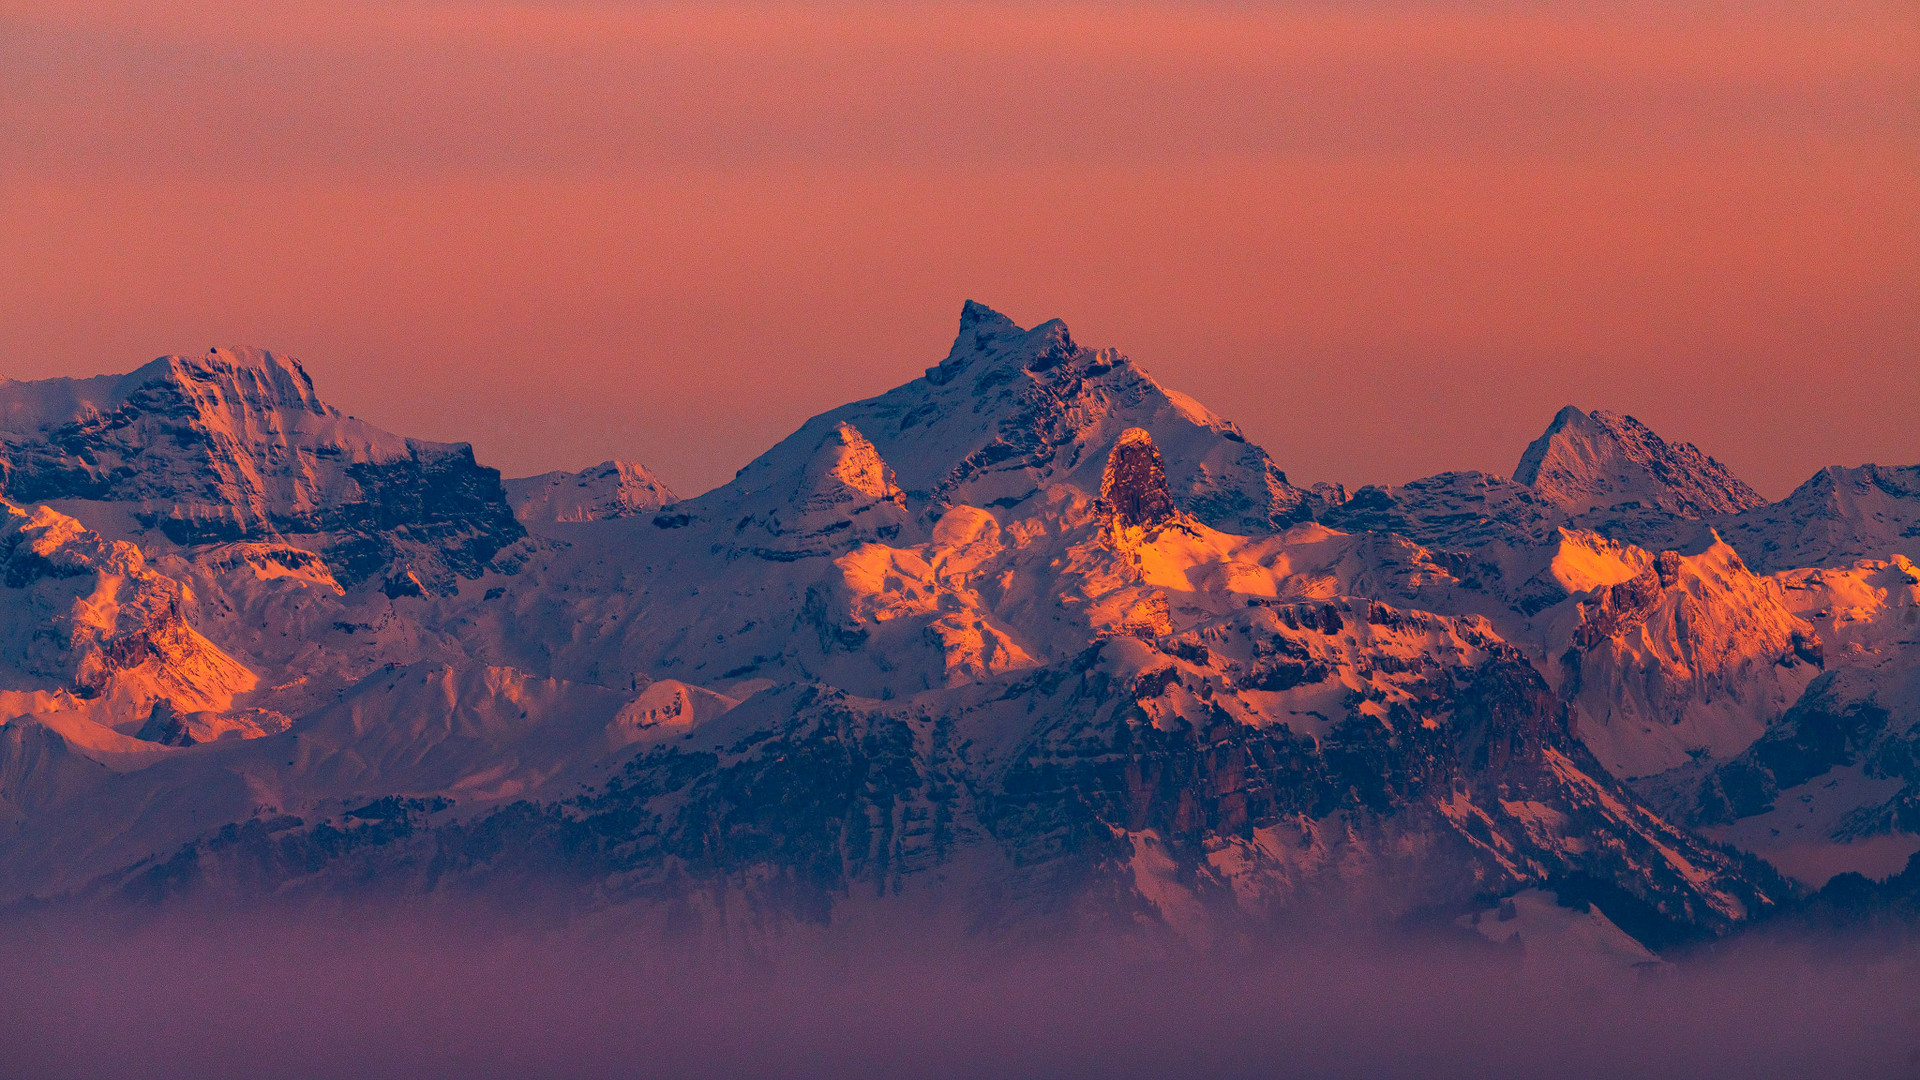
[[1388, 238]]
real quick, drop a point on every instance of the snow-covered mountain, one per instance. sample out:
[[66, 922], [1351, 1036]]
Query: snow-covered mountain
[[1030, 636], [1604, 461], [235, 445], [1012, 411], [1836, 518], [1677, 658], [1598, 471], [610, 489], [1841, 767]]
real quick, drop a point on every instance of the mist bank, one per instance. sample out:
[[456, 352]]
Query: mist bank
[[407, 991]]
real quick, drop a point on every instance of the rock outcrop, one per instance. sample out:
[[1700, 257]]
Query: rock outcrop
[[1134, 487]]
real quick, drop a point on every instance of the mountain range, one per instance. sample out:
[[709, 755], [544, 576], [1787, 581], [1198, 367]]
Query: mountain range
[[1030, 638]]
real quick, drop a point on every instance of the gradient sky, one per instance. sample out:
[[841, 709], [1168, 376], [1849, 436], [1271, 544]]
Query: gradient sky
[[1388, 238]]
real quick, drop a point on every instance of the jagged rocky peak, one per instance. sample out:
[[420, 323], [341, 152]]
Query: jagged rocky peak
[[236, 445], [243, 378], [983, 332], [1673, 657], [1603, 460], [1011, 412], [1134, 488], [611, 489]]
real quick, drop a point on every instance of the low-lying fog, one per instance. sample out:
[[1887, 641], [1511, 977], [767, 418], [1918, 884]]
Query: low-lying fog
[[351, 992]]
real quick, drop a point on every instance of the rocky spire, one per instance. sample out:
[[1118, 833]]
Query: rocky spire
[[984, 333], [1134, 488]]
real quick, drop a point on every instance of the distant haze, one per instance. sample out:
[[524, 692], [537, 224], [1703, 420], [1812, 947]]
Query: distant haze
[[1387, 238], [428, 992]]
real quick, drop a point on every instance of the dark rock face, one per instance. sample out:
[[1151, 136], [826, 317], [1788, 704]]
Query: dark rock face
[[1099, 773], [1135, 486], [165, 727], [829, 797], [210, 429], [1853, 901], [406, 584], [1622, 607], [804, 796], [1832, 726], [1454, 511], [438, 499]]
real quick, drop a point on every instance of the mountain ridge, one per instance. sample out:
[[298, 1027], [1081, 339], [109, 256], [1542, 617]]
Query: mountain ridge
[[1029, 621], [237, 446]]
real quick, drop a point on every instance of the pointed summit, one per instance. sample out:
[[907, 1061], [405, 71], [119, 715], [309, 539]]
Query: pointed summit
[[1012, 412], [973, 314], [1604, 460], [843, 495], [983, 332]]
